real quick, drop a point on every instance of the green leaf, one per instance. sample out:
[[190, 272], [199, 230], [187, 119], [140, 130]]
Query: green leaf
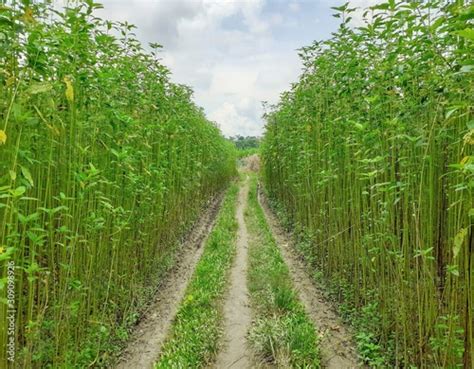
[[4, 8], [453, 269], [26, 173], [458, 241], [423, 252], [438, 22], [39, 87], [4, 21], [6, 253], [341, 8], [467, 14], [466, 33], [17, 192], [451, 112], [384, 6]]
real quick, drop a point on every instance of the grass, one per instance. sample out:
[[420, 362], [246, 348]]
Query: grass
[[282, 332], [364, 320], [195, 334]]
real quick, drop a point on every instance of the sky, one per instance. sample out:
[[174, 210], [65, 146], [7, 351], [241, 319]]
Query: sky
[[234, 54]]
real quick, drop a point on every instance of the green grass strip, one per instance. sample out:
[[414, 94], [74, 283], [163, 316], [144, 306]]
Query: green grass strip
[[195, 334], [282, 332]]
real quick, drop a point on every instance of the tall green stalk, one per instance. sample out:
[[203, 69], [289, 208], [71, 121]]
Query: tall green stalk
[[370, 154], [104, 163]]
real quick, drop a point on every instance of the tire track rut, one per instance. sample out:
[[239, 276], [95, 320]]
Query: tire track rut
[[336, 344], [150, 333], [237, 313]]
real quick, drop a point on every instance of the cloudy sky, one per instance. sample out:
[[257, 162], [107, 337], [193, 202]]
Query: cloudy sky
[[234, 54]]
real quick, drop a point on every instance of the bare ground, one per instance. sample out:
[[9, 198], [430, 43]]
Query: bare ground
[[237, 314], [150, 333], [337, 347]]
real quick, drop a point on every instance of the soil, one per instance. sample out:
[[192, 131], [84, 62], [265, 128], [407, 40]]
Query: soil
[[150, 333], [337, 347], [237, 313]]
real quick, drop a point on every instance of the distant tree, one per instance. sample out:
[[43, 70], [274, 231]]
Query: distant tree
[[248, 142]]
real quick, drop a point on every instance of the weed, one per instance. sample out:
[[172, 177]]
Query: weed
[[197, 328], [282, 332]]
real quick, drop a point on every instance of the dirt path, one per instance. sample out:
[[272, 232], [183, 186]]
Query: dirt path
[[151, 332], [237, 315], [337, 348]]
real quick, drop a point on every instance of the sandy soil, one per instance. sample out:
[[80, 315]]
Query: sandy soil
[[237, 314], [151, 332], [337, 347]]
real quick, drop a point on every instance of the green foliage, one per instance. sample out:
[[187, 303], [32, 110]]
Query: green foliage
[[370, 154], [104, 163], [448, 340], [367, 323], [194, 338], [248, 142], [246, 152], [282, 332], [246, 146]]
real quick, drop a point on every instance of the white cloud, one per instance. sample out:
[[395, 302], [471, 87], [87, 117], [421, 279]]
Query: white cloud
[[228, 112], [228, 51], [232, 79], [231, 70], [294, 7]]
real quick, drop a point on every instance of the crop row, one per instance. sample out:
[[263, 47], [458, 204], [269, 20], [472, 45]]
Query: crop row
[[370, 155], [104, 164]]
